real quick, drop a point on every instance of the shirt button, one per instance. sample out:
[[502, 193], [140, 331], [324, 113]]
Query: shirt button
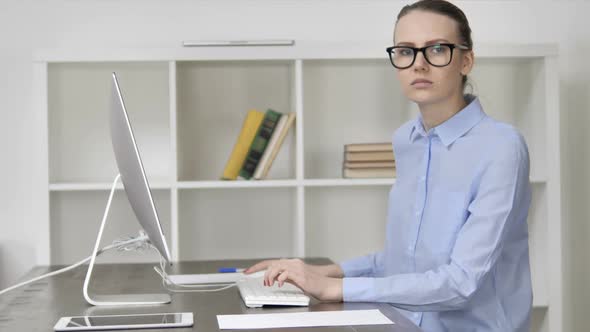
[[417, 213]]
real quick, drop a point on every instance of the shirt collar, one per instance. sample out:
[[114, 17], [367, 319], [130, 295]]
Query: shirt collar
[[455, 127]]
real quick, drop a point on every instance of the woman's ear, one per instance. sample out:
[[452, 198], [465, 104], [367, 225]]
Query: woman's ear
[[468, 62]]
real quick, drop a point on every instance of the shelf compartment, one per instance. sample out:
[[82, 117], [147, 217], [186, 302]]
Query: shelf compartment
[[209, 121], [79, 95], [76, 218], [343, 223], [365, 93], [232, 224], [348, 101]]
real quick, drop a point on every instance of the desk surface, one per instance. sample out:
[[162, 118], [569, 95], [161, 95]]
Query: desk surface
[[38, 306]]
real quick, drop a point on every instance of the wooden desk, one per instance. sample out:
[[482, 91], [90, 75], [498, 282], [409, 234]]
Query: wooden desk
[[38, 306]]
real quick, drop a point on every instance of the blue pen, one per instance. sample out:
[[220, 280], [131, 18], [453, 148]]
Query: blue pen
[[230, 270]]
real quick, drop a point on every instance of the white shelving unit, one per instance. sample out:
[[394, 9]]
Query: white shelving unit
[[187, 105]]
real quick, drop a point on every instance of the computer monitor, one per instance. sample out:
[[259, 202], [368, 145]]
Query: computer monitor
[[137, 188], [132, 171]]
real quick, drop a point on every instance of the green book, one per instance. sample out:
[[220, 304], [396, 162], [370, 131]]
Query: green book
[[263, 135]]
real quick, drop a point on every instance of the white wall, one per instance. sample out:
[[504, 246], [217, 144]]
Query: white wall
[[28, 25]]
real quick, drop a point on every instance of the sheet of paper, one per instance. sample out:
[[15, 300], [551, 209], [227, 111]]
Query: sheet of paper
[[303, 319]]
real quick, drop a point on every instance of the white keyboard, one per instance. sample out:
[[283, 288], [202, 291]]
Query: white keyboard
[[255, 294]]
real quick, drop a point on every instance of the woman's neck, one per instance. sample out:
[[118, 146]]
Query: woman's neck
[[439, 112]]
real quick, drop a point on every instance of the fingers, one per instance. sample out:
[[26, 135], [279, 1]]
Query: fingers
[[283, 270], [272, 272], [297, 278], [284, 276]]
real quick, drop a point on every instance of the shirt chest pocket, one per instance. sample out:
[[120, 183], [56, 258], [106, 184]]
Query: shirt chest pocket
[[444, 215]]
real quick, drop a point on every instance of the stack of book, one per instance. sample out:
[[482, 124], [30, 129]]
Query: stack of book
[[368, 160], [258, 144]]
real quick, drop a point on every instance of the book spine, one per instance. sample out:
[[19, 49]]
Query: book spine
[[369, 164], [269, 147], [367, 147], [259, 144], [250, 126], [369, 156], [277, 146]]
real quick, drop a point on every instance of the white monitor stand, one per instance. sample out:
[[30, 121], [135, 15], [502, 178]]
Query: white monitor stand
[[116, 299]]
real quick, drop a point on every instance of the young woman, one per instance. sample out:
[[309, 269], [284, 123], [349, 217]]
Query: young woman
[[456, 254]]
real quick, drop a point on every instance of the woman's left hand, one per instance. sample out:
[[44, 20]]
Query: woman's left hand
[[295, 271]]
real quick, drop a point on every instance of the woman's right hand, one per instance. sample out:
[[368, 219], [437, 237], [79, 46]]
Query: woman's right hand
[[322, 282]]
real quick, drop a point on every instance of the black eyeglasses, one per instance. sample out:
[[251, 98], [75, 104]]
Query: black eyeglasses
[[438, 55]]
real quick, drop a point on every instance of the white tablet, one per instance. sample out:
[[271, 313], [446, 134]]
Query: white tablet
[[124, 322]]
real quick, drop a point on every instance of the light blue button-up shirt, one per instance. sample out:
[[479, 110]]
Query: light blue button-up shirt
[[456, 256]]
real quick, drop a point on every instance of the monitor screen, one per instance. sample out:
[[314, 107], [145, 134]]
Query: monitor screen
[[132, 171]]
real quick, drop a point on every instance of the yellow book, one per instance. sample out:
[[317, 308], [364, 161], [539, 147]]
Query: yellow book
[[238, 155]]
